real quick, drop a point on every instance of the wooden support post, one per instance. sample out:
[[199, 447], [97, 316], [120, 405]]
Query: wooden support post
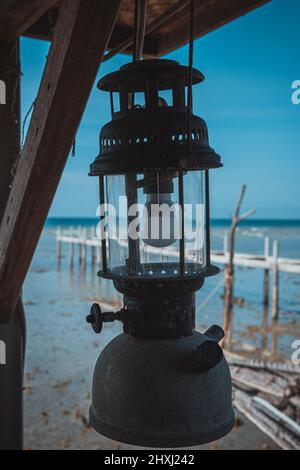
[[12, 324], [93, 247], [71, 249], [9, 118], [93, 255], [264, 330], [275, 294], [229, 270], [79, 243], [58, 244], [266, 274], [266, 287], [98, 255], [83, 248], [13, 335], [82, 32], [225, 244], [267, 248]]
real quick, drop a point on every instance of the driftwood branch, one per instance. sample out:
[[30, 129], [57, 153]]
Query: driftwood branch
[[269, 395], [246, 215]]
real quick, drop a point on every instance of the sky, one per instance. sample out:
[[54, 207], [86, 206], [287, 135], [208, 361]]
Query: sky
[[246, 100]]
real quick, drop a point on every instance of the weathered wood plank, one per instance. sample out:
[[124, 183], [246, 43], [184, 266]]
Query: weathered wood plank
[[9, 117], [16, 16], [82, 32], [43, 29], [266, 382], [210, 15], [13, 334], [273, 424], [167, 35]]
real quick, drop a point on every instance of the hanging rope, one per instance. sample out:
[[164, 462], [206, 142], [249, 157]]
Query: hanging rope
[[191, 63], [74, 148], [210, 295], [25, 120]]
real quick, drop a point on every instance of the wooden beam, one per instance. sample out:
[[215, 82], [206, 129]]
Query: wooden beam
[[9, 117], [16, 16], [12, 332], [127, 43], [209, 15], [43, 29], [168, 31], [13, 336], [82, 32]]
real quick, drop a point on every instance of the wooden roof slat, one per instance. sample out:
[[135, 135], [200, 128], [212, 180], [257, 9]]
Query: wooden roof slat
[[168, 35], [209, 15], [16, 16]]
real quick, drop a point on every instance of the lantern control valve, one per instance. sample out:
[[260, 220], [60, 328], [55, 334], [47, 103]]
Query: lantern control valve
[[208, 354], [96, 317]]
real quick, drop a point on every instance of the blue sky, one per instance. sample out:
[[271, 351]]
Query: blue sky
[[249, 67]]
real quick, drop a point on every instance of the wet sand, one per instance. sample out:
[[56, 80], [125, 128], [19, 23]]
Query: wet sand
[[62, 351]]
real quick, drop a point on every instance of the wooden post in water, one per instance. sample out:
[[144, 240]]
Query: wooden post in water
[[266, 274], [225, 244], [58, 244], [79, 243], [98, 255], [12, 320], [229, 270], [93, 247], [275, 293], [83, 248], [71, 248]]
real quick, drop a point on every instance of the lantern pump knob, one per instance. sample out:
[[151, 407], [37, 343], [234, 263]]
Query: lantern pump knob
[[96, 317], [208, 354]]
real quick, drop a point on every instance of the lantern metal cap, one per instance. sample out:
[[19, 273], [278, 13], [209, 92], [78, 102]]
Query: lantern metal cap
[[135, 74], [158, 134]]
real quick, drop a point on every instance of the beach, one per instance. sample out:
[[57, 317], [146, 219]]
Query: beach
[[62, 349]]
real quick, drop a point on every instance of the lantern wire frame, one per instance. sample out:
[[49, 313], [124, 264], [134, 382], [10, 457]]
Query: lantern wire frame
[[133, 262], [133, 257]]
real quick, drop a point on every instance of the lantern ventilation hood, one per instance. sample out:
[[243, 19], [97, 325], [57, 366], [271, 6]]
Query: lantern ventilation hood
[[150, 128]]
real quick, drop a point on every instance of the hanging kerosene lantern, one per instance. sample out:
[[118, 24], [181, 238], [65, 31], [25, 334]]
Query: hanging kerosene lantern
[[160, 383]]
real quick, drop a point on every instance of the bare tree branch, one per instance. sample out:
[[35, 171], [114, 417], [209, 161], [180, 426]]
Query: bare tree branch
[[247, 214], [240, 201], [229, 270]]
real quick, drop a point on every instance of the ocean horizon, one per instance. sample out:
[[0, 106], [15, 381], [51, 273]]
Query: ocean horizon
[[215, 222]]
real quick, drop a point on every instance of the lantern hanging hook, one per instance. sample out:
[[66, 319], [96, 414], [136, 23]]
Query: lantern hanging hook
[[140, 23]]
